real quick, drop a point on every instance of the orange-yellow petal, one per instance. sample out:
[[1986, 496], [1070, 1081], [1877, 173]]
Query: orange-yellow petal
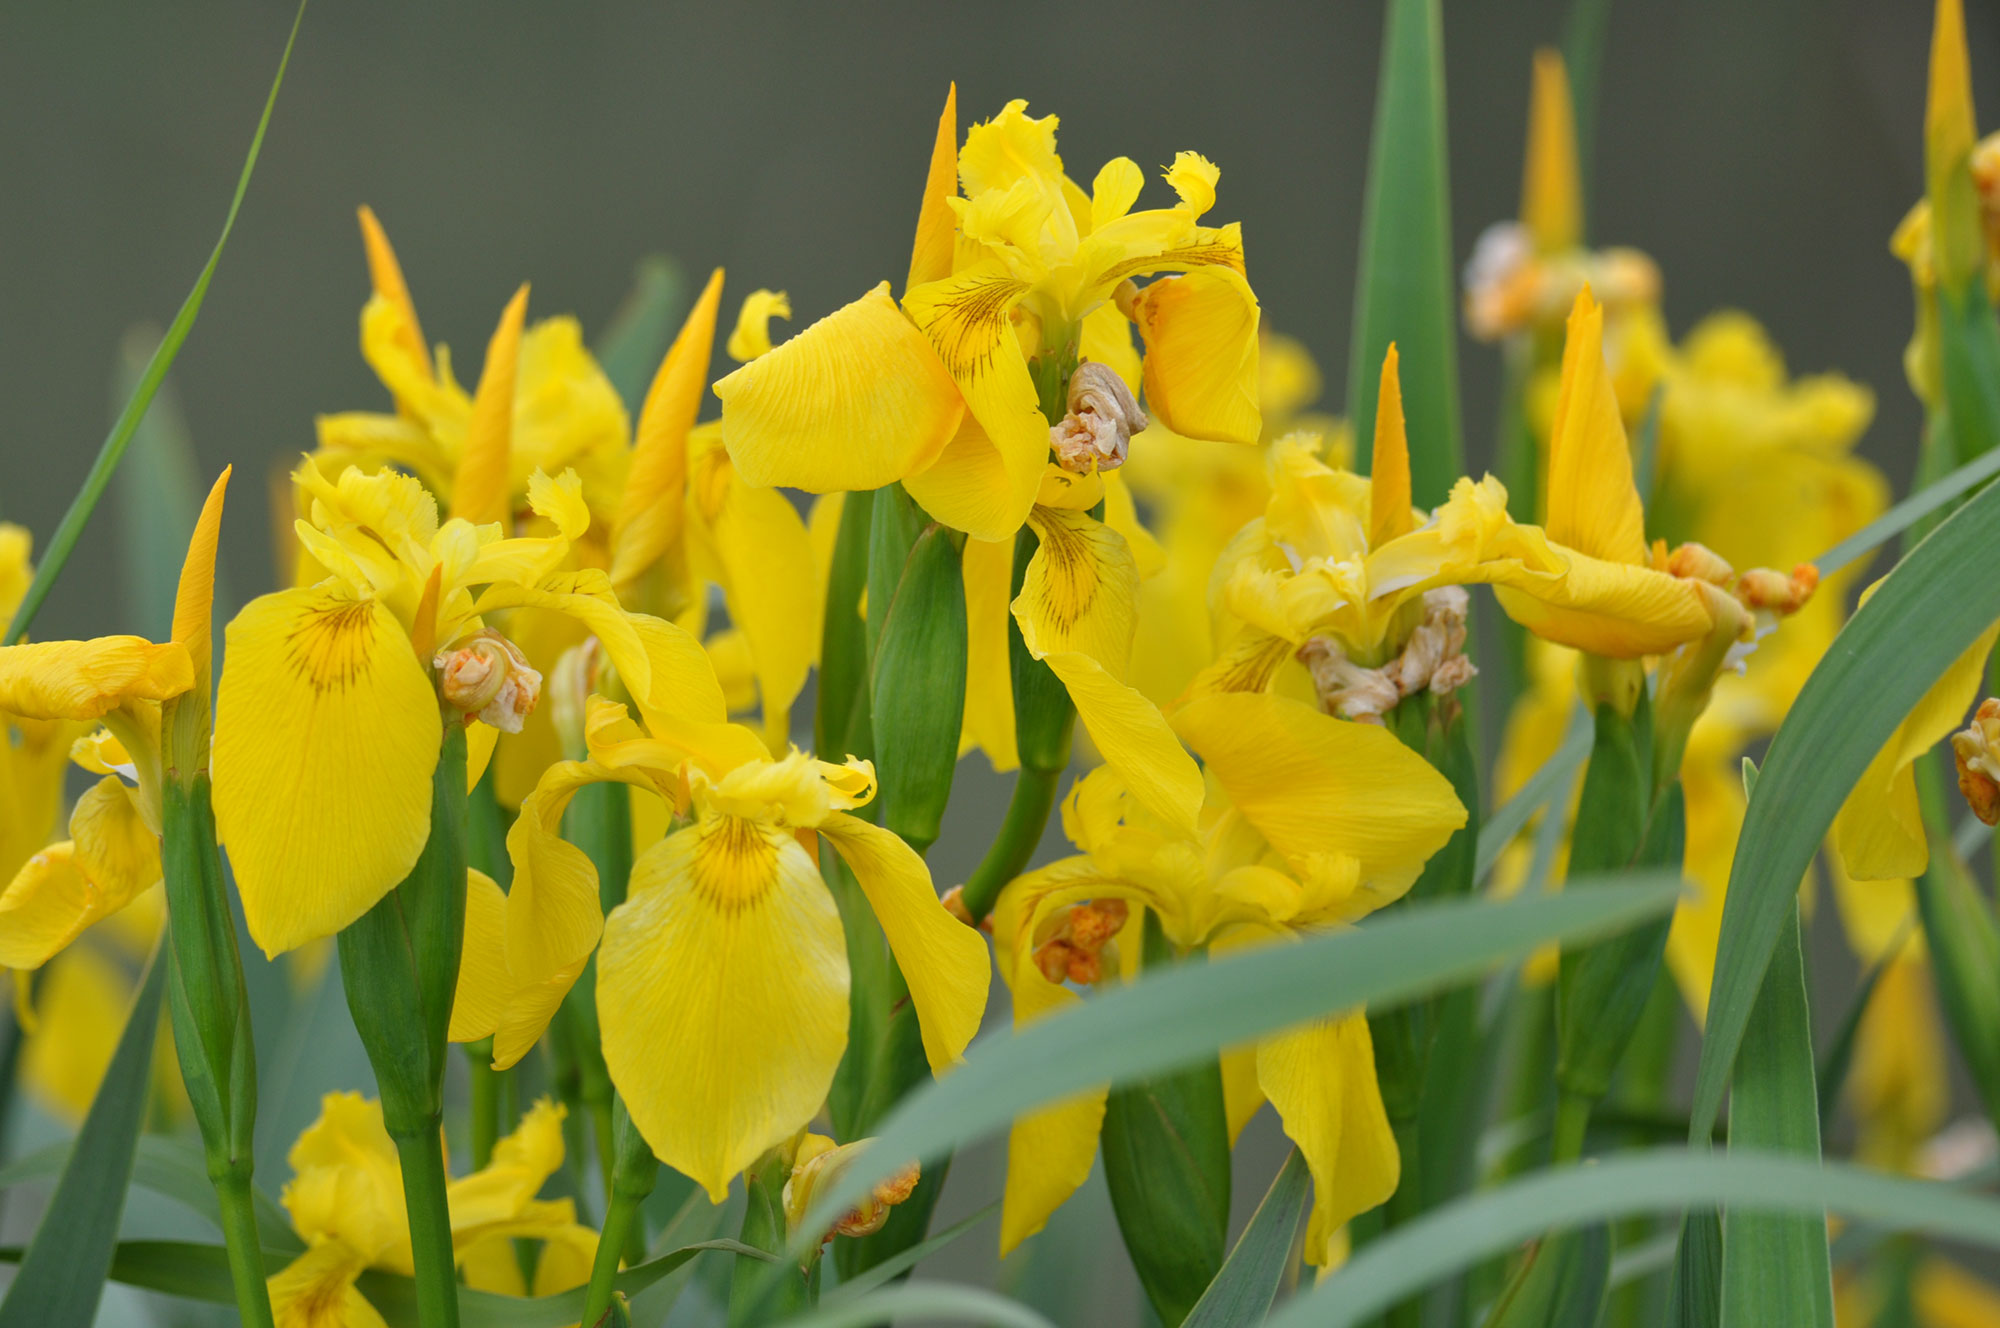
[[1201, 354]]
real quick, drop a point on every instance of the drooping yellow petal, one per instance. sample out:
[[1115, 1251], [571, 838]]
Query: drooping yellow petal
[[1201, 354], [385, 274], [84, 679], [751, 337], [347, 1182], [1593, 506], [47, 905], [649, 510], [504, 1190], [194, 600], [1133, 738], [967, 319], [1389, 512], [930, 256], [1080, 590], [316, 1290], [1551, 192], [1879, 830], [326, 734], [479, 491], [856, 401], [722, 993], [1950, 131], [943, 959], [1318, 788], [479, 1001], [1321, 1079], [989, 688]]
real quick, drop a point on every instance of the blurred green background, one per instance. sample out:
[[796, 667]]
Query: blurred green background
[[1761, 152]]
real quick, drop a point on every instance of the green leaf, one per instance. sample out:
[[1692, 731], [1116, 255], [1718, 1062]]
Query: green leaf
[[172, 1168], [1662, 1180], [188, 1269], [1243, 1291], [62, 1274], [632, 344], [1775, 1267], [1694, 1300], [925, 1301], [896, 1265], [120, 437], [1407, 292], [1553, 778], [1938, 494], [1924, 615], [1583, 55], [1190, 1011], [1965, 961], [1563, 1281]]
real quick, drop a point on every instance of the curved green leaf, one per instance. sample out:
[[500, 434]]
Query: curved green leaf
[[1407, 292], [172, 1168], [1243, 1291], [115, 443], [926, 1301], [1907, 513], [1662, 1180], [1925, 614], [1192, 1010], [897, 1264], [62, 1274]]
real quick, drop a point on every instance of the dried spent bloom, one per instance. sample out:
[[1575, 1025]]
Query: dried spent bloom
[[486, 677], [1075, 950], [1432, 659], [1975, 750], [1103, 416]]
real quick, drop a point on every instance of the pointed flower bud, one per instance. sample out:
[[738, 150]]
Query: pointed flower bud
[[487, 677]]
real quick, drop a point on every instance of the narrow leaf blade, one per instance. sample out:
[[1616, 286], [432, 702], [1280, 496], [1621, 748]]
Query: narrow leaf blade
[[1243, 1291]]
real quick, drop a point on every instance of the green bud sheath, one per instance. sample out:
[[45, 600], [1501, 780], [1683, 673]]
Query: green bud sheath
[[917, 707], [1604, 987], [1166, 1161]]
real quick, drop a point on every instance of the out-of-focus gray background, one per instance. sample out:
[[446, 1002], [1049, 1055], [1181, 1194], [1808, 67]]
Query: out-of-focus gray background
[[1762, 153]]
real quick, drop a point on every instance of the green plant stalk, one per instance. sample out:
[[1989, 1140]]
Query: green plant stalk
[[70, 529], [399, 964], [598, 821], [1028, 809], [485, 1084], [840, 718], [246, 1252], [633, 1176]]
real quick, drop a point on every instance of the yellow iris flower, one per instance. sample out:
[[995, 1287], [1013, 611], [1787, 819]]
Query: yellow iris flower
[[328, 727], [722, 980], [1311, 823], [564, 413], [33, 752], [346, 1201], [939, 392], [113, 852]]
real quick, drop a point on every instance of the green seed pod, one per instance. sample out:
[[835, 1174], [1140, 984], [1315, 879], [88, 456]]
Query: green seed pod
[[918, 686], [1166, 1162]]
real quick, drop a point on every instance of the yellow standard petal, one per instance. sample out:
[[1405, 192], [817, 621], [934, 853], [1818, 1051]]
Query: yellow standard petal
[[326, 734], [1201, 354], [1321, 1080], [1389, 512], [856, 401], [943, 959], [1551, 194], [930, 256], [385, 274], [722, 992], [1320, 788], [84, 679], [194, 598], [1593, 506], [480, 490], [649, 510]]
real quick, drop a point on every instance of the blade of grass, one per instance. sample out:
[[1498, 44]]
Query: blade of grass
[[630, 347], [929, 1302], [63, 1272], [1407, 292], [1923, 616], [1662, 1180], [1243, 1291], [1501, 827], [71, 527], [1907, 513], [891, 1268], [1191, 1011]]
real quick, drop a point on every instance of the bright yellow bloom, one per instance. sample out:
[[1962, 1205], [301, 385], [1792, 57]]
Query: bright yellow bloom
[[722, 980], [564, 413], [113, 853], [33, 752], [1312, 822], [346, 1201], [329, 724], [940, 392]]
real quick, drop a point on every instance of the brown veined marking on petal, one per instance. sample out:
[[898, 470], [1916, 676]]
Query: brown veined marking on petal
[[329, 648], [1072, 581], [1214, 251], [735, 865], [1248, 666], [966, 328]]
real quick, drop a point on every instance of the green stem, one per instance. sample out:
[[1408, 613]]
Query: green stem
[[1405, 1206], [486, 1095], [600, 1124], [1027, 816], [620, 1220], [1572, 1121], [246, 1252], [422, 1156]]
